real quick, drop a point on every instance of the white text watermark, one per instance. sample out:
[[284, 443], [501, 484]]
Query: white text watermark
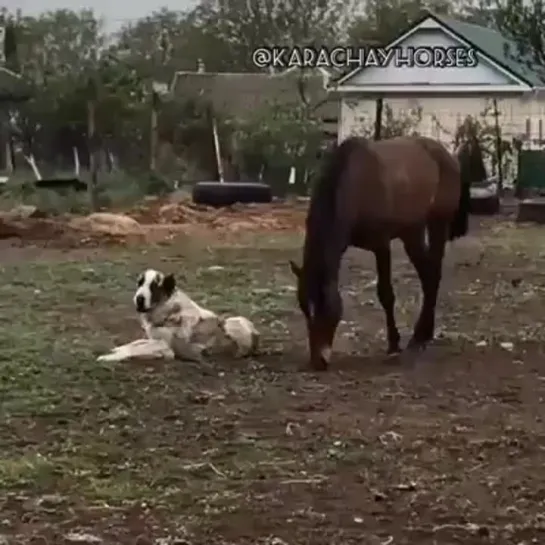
[[361, 57]]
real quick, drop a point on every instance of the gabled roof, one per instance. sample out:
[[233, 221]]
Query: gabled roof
[[238, 94], [498, 47], [490, 43]]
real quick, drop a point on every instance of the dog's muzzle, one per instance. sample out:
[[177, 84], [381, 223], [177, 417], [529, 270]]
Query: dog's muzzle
[[140, 302]]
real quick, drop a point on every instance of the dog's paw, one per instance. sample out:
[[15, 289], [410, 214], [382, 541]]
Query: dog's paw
[[112, 356]]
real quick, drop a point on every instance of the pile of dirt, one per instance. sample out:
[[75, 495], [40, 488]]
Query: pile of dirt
[[109, 224], [154, 220], [71, 232], [278, 216]]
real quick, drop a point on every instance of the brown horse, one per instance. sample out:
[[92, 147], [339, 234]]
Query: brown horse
[[368, 194]]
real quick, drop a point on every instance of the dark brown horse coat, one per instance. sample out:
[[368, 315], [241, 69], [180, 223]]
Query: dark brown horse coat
[[369, 193], [398, 184]]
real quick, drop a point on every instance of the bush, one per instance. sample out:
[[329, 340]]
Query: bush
[[275, 138], [115, 190]]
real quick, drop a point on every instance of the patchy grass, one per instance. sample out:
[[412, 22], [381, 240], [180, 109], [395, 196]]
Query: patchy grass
[[115, 434], [252, 451]]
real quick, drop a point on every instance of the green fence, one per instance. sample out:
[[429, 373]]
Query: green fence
[[531, 170]]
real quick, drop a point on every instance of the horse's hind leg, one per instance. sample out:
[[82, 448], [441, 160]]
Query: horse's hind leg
[[428, 262], [386, 296]]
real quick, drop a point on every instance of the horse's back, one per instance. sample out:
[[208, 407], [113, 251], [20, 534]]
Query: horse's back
[[407, 181]]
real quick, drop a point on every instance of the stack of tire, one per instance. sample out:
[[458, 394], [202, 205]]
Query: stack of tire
[[61, 183], [532, 210], [220, 194], [485, 200]]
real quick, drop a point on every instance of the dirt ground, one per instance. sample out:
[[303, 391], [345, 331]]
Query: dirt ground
[[444, 450]]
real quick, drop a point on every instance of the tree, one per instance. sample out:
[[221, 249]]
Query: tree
[[55, 52], [158, 45], [65, 54], [479, 12], [229, 30], [277, 137], [381, 21], [524, 21]]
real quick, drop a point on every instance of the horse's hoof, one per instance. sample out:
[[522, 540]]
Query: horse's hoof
[[393, 358], [392, 354], [415, 345]]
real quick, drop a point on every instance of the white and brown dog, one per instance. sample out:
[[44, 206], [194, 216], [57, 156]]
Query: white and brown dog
[[177, 327]]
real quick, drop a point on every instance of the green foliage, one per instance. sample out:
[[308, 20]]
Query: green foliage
[[116, 189], [393, 124], [403, 124], [525, 22], [278, 136], [483, 128], [230, 30], [383, 20], [10, 48]]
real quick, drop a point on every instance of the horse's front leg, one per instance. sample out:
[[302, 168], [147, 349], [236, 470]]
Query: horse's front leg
[[386, 296]]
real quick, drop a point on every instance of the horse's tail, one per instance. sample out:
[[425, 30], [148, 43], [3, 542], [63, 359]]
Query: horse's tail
[[450, 166], [459, 226]]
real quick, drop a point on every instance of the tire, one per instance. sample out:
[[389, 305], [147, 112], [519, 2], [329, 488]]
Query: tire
[[61, 183], [225, 194], [484, 199], [487, 206]]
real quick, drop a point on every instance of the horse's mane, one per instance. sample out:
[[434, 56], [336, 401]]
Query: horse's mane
[[321, 219]]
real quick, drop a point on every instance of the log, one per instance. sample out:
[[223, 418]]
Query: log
[[484, 199]]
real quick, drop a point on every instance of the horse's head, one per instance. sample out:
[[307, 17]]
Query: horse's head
[[321, 304]]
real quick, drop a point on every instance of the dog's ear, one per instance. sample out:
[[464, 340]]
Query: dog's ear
[[169, 284], [295, 269]]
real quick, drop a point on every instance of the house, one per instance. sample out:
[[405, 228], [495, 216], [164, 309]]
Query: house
[[445, 96], [238, 94]]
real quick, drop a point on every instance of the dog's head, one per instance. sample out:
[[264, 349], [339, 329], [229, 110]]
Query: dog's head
[[153, 288]]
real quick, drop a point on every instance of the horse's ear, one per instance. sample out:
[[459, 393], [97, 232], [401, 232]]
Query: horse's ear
[[295, 269]]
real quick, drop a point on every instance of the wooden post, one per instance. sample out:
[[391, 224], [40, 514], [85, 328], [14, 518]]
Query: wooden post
[[92, 145], [499, 151], [4, 120], [379, 105], [154, 139], [9, 156], [217, 149], [76, 161]]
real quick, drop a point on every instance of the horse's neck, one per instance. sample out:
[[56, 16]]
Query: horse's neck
[[323, 262]]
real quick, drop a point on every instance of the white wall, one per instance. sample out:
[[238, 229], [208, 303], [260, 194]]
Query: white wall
[[441, 116]]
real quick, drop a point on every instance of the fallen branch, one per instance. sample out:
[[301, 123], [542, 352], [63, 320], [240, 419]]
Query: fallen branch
[[209, 465], [312, 480]]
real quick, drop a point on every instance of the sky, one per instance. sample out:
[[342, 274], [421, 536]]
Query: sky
[[115, 13]]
